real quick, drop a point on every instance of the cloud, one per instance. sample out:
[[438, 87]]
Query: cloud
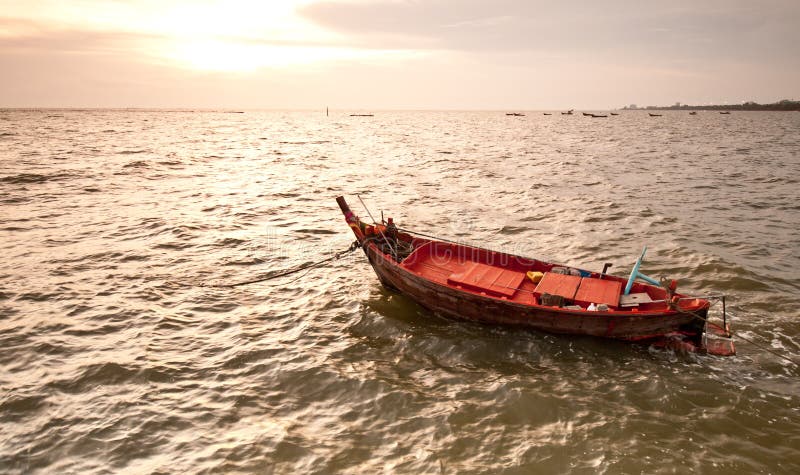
[[666, 30], [429, 54], [29, 36]]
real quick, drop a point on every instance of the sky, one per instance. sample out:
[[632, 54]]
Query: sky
[[397, 54]]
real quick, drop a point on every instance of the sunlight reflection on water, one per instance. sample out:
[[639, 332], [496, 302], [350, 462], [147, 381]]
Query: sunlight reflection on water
[[119, 358]]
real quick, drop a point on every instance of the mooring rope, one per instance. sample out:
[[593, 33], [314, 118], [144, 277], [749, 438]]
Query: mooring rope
[[355, 245], [291, 270]]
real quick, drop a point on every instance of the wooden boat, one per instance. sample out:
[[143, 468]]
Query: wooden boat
[[654, 115], [547, 113], [598, 116], [362, 115], [614, 113], [725, 112], [569, 112], [491, 287], [515, 114], [693, 113]]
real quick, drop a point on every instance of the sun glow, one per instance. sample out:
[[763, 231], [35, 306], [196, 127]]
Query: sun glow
[[207, 35], [243, 36], [224, 56]]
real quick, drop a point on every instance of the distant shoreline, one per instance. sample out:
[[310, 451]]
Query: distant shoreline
[[784, 105]]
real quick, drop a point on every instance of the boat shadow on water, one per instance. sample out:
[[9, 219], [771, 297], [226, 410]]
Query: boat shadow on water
[[391, 322]]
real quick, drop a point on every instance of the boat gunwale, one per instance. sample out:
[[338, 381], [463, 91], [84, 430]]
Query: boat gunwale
[[544, 318], [628, 313]]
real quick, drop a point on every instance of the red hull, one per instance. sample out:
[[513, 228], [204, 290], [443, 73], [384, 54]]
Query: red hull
[[491, 287]]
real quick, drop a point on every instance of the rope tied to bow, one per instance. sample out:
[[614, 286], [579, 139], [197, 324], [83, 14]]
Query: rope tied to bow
[[292, 270]]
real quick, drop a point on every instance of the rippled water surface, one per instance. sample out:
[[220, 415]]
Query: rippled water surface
[[119, 354]]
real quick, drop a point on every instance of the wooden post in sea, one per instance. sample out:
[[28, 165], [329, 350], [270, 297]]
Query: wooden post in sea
[[326, 112]]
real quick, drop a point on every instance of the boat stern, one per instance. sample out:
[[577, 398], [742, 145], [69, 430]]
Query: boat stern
[[700, 336], [718, 341]]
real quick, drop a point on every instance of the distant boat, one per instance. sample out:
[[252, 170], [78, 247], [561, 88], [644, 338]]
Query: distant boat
[[515, 114], [614, 113], [569, 112], [547, 113], [693, 113], [597, 116], [362, 115], [725, 112], [586, 114], [654, 115]]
